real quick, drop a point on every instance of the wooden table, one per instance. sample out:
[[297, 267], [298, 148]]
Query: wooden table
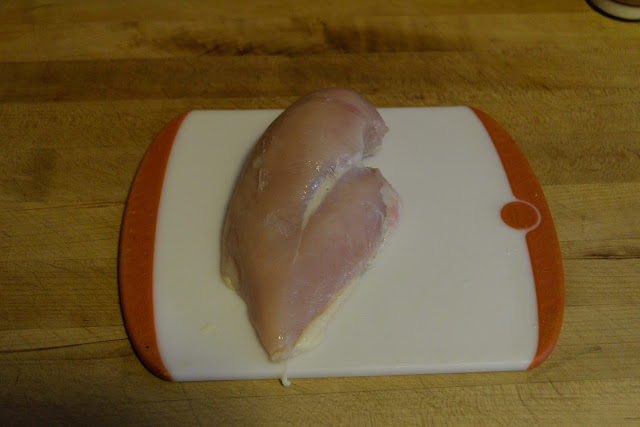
[[86, 85]]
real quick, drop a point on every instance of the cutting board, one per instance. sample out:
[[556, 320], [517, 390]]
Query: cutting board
[[471, 280]]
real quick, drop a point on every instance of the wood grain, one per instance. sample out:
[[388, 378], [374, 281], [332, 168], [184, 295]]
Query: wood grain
[[86, 85]]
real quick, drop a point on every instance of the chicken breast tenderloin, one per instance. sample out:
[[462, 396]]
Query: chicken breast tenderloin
[[306, 217]]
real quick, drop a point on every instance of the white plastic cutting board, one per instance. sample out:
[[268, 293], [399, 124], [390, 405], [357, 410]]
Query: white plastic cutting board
[[452, 290]]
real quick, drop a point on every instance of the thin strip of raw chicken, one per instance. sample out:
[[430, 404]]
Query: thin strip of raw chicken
[[306, 217]]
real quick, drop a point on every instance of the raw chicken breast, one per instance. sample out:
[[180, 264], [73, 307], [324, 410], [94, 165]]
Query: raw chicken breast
[[306, 217]]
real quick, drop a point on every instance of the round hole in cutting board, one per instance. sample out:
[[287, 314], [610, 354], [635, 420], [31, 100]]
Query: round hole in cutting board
[[519, 215]]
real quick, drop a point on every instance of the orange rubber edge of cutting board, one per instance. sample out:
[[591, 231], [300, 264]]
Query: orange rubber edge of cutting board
[[542, 242], [137, 240]]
